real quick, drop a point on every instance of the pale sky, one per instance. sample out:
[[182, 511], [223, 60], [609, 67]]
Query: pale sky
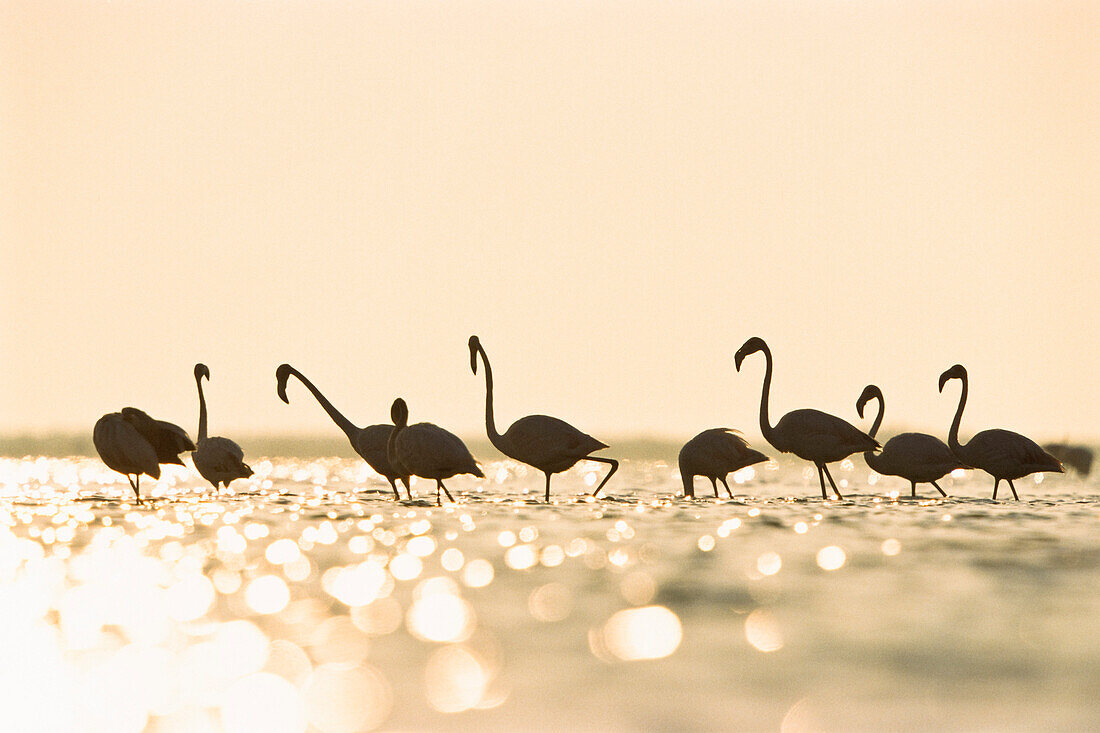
[[613, 195]]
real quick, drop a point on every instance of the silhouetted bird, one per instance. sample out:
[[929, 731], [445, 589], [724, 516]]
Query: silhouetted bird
[[218, 460], [427, 450], [714, 454], [547, 443], [369, 442], [812, 435], [1077, 457], [133, 443], [917, 457], [1002, 454]]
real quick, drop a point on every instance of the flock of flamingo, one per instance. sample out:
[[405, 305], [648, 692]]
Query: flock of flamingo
[[133, 443]]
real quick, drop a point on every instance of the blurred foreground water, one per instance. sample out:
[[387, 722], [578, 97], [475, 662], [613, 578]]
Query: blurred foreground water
[[308, 599]]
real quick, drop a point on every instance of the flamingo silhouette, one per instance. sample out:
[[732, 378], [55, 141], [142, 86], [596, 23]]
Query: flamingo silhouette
[[369, 442], [918, 457], [133, 444], [1002, 454], [812, 435], [218, 460], [714, 454], [427, 450], [547, 443]]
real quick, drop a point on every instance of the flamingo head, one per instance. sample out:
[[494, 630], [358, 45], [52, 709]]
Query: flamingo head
[[749, 347], [399, 413], [870, 392], [281, 375], [475, 344], [136, 417], [956, 372], [201, 370]]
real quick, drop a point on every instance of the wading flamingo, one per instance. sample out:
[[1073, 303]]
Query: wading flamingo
[[369, 442], [427, 450], [812, 435], [133, 443], [714, 454], [1002, 454], [218, 460], [547, 443], [918, 457]]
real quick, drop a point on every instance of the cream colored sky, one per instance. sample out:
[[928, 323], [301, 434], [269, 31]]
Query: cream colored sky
[[613, 195]]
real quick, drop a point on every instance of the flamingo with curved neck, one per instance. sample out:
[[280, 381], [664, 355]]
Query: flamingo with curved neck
[[218, 460], [918, 457], [546, 443], [369, 442], [812, 435], [1002, 454]]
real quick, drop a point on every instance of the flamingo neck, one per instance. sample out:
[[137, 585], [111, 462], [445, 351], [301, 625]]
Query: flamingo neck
[[953, 436], [871, 457], [689, 483], [202, 409], [342, 422], [765, 424], [490, 422], [391, 451]]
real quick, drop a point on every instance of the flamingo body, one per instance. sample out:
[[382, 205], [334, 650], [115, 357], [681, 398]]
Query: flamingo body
[[369, 442], [1002, 454], [427, 450], [714, 454], [812, 435], [167, 439], [133, 443], [547, 443]]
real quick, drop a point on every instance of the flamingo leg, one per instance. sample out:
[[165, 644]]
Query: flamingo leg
[[1014, 496], [821, 480], [609, 461], [439, 485], [913, 489], [408, 488], [135, 484], [938, 488], [714, 485], [547, 486], [996, 481], [831, 482], [393, 485], [723, 480]]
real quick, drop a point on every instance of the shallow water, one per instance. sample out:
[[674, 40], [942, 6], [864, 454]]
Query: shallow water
[[309, 600]]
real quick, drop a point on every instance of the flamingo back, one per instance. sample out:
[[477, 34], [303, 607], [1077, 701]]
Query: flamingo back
[[123, 448]]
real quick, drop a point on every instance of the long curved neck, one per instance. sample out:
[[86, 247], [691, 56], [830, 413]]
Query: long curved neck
[[765, 424], [202, 409], [870, 456], [953, 436], [342, 422], [490, 422]]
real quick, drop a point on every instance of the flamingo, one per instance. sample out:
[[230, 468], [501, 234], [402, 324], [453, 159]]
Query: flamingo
[[218, 460], [369, 442], [918, 457], [427, 450], [133, 444], [1002, 454], [812, 435], [714, 454], [547, 443]]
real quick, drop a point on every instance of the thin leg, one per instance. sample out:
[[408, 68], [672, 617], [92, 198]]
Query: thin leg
[[831, 482], [714, 485], [439, 485], [393, 485], [408, 488], [609, 461], [723, 480], [913, 489], [821, 480], [996, 481], [938, 488], [135, 484], [547, 487], [1014, 496]]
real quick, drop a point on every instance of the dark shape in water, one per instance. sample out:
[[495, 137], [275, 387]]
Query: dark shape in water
[[1002, 454], [918, 457], [369, 442], [1077, 457], [547, 443], [812, 435], [714, 454], [427, 450], [133, 444], [218, 460]]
